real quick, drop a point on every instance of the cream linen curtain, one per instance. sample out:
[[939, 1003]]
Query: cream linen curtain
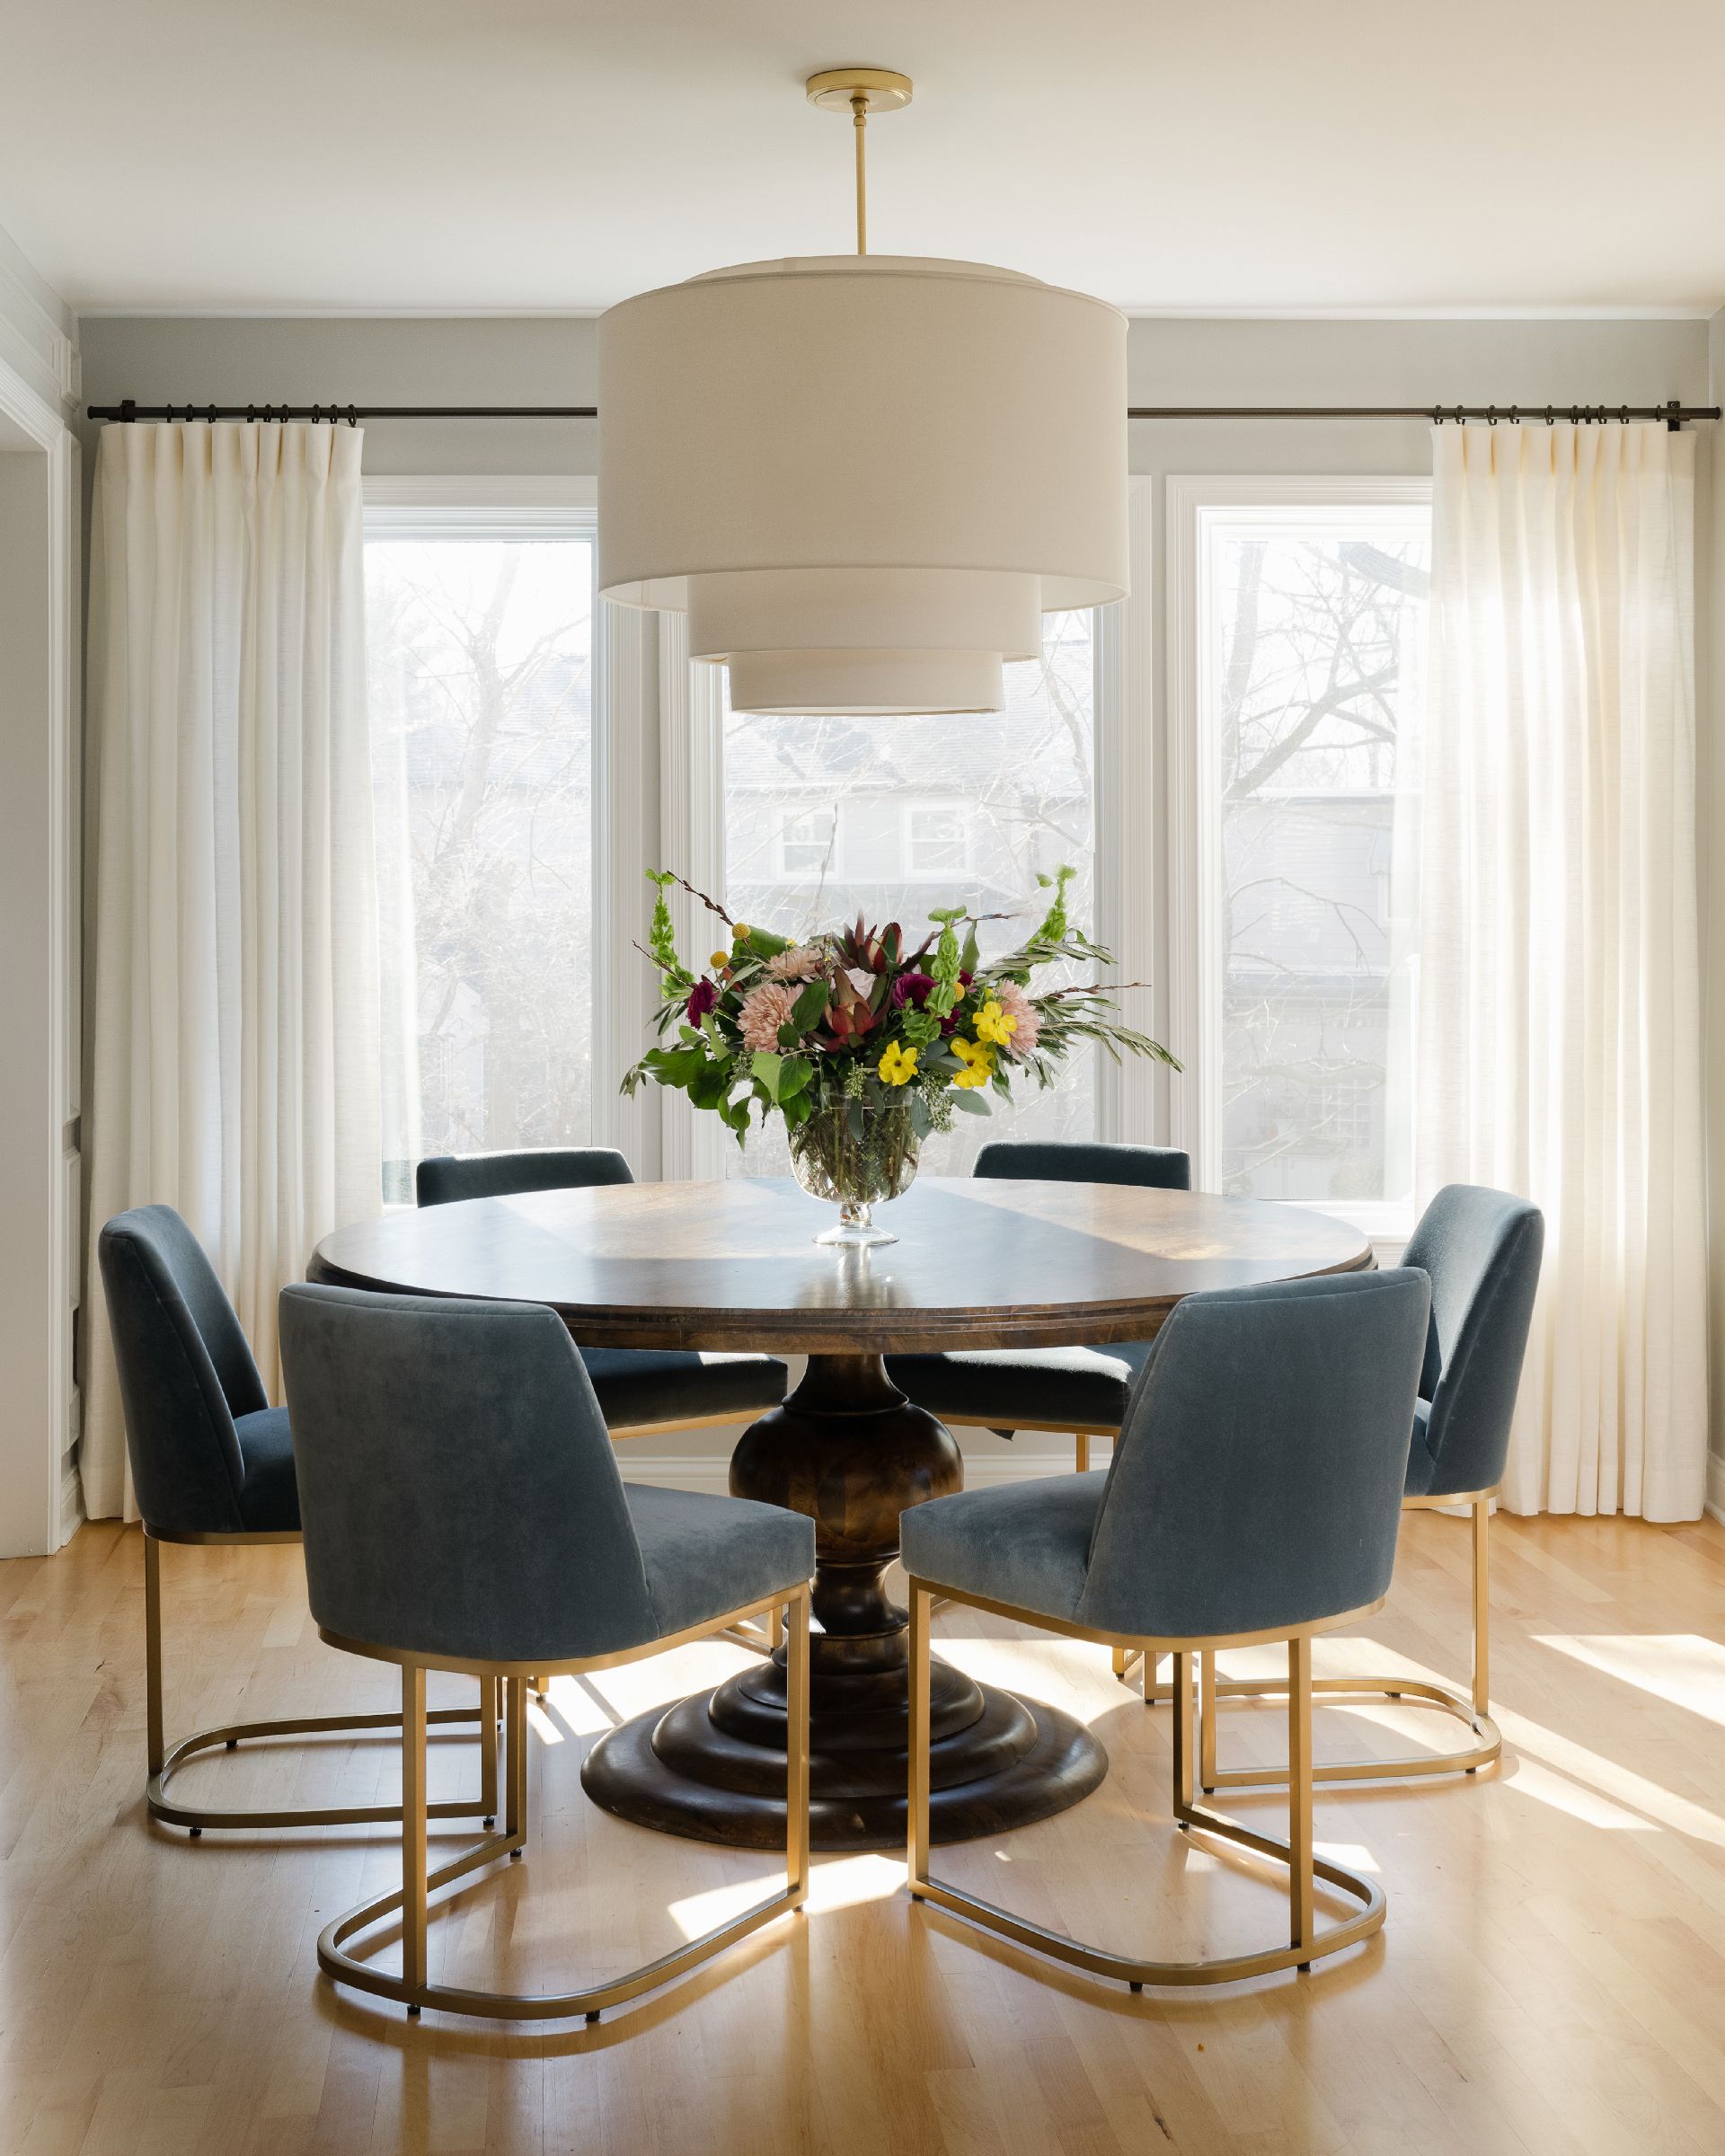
[[1559, 989], [233, 1017]]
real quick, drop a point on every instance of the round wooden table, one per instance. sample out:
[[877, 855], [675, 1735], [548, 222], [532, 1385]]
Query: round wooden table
[[733, 1265]]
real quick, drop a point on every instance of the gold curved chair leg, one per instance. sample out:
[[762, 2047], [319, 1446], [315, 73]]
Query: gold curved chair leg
[[413, 1988], [1305, 1943], [164, 1764], [1470, 1709]]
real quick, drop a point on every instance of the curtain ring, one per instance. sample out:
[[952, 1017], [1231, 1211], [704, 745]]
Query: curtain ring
[[353, 417], [1549, 421], [1515, 415], [1491, 415], [1624, 415]]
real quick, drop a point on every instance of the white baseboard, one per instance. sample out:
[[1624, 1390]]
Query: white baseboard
[[1018, 1461], [1716, 1486]]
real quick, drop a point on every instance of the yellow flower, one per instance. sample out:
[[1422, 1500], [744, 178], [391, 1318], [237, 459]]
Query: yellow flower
[[738, 929], [978, 1062], [898, 1066], [719, 957], [994, 1025]]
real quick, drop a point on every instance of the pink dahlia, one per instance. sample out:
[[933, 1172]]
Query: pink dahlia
[[1027, 1021], [800, 963], [765, 1010]]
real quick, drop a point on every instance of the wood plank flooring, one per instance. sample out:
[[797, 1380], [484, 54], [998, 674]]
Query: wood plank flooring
[[1551, 1982]]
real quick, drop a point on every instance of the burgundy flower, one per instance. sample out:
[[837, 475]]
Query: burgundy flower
[[705, 996], [916, 988]]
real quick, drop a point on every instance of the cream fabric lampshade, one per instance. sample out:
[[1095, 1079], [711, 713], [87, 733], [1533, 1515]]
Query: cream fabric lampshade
[[865, 477]]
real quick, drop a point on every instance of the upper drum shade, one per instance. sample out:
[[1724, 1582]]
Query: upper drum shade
[[864, 477]]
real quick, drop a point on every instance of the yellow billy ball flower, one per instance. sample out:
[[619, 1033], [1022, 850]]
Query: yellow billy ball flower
[[994, 1025], [719, 957], [897, 1066], [738, 929]]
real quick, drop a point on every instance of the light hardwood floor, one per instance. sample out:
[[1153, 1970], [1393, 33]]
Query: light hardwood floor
[[1551, 1978]]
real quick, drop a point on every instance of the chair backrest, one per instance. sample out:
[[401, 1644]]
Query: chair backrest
[[450, 1176], [1071, 1161], [185, 1372], [1481, 1249], [458, 1494], [1257, 1481]]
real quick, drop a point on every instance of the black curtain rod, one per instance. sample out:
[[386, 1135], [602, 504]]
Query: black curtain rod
[[1673, 413]]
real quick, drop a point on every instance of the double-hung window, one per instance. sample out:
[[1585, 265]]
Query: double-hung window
[[480, 634], [1297, 698]]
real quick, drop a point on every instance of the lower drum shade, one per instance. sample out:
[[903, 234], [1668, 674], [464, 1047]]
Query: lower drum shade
[[866, 684], [867, 642]]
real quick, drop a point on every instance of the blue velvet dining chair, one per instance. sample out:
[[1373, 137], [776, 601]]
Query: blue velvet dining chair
[[1481, 1249], [212, 1461], [1080, 1390], [640, 1390], [1253, 1495], [463, 1510]]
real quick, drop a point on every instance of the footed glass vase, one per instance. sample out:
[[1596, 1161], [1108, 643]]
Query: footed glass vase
[[858, 1157]]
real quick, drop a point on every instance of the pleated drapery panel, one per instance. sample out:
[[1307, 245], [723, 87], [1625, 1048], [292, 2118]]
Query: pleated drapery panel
[[234, 1014], [1560, 1022]]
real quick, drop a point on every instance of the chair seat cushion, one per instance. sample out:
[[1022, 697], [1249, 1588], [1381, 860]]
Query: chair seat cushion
[[638, 1385], [269, 1492], [1009, 1387], [706, 1555], [1026, 1544]]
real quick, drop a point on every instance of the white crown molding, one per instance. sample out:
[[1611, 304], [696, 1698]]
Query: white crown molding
[[1697, 313], [191, 312]]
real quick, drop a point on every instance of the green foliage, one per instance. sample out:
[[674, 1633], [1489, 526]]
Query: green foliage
[[662, 937]]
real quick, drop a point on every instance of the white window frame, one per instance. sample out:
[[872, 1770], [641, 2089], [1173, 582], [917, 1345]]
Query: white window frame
[[782, 870], [916, 805], [624, 778], [1193, 828]]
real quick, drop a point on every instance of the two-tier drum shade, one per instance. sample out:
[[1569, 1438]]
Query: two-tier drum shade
[[864, 477]]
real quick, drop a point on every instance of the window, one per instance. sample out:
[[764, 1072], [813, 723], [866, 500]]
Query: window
[[479, 636], [1301, 694], [930, 811], [806, 845], [934, 840]]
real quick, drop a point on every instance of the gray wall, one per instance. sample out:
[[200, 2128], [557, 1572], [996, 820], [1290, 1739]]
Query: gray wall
[[1198, 360]]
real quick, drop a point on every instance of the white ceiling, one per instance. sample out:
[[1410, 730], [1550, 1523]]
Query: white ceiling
[[555, 154]]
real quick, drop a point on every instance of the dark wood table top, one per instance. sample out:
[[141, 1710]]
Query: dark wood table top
[[734, 1265]]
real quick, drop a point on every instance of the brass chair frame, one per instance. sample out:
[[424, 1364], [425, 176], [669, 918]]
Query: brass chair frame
[[413, 1987], [1471, 1707], [1306, 1943], [164, 1764]]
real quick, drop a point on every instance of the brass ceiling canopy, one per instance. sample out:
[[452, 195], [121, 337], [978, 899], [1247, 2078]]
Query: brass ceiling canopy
[[860, 90]]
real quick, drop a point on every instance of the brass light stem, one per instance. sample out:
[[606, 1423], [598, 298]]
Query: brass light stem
[[860, 122]]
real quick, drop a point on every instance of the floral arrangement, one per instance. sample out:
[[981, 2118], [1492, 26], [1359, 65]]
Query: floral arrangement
[[865, 1042]]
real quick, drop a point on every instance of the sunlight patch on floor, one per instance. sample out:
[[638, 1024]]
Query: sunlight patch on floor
[[834, 1883], [1682, 1668], [1532, 1778]]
